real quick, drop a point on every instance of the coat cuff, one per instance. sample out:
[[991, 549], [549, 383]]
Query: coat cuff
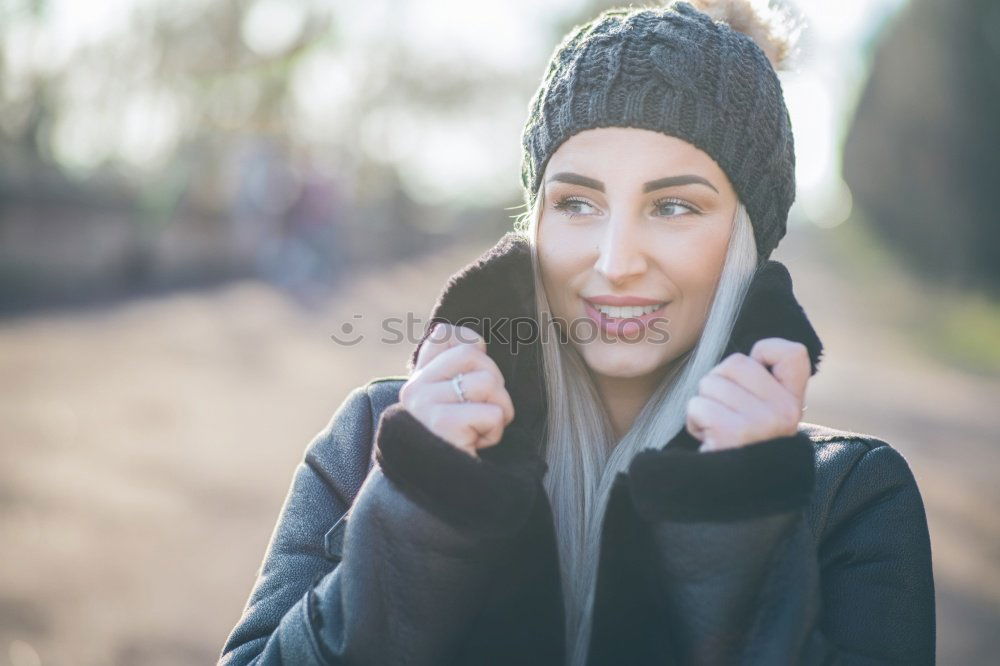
[[489, 496], [763, 478]]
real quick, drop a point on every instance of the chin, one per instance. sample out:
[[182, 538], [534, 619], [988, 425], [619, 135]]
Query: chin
[[623, 360]]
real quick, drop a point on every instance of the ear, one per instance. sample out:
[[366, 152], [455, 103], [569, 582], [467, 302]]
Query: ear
[[770, 309]]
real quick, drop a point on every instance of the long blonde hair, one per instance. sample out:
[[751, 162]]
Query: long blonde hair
[[582, 455]]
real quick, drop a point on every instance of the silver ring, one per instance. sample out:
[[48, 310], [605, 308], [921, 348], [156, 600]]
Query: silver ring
[[456, 383]]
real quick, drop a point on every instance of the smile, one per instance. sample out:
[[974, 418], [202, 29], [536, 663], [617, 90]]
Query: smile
[[627, 311], [627, 320]]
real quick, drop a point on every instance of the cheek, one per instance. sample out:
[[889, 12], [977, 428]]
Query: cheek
[[695, 258], [694, 265], [558, 269], [563, 264], [698, 274]]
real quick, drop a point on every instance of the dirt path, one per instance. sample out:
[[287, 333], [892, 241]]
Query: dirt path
[[146, 449]]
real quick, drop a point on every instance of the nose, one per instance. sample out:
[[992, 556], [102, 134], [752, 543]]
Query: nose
[[620, 254]]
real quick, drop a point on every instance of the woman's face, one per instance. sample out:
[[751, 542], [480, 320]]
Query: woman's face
[[631, 244]]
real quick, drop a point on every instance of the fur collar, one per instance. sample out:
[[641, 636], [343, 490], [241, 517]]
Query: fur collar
[[495, 292]]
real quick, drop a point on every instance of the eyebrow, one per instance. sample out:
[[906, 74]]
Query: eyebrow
[[651, 186]]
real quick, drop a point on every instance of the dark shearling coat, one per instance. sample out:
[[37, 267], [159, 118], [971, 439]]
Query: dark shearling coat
[[393, 547]]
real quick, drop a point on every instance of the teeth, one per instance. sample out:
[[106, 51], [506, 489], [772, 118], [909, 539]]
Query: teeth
[[627, 311]]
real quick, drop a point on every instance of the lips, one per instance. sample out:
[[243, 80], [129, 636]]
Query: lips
[[624, 316], [611, 299]]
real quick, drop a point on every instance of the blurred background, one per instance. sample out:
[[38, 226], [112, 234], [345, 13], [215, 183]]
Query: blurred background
[[195, 195]]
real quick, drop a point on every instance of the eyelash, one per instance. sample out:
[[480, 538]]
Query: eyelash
[[563, 204], [667, 200]]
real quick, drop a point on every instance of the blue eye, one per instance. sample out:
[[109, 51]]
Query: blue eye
[[569, 205], [661, 204]]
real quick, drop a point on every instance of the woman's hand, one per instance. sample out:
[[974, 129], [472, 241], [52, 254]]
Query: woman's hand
[[430, 396], [740, 402]]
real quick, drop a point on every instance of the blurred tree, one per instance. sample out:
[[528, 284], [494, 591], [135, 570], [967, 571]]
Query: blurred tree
[[922, 157]]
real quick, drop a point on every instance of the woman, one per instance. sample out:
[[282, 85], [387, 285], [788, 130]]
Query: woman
[[597, 456]]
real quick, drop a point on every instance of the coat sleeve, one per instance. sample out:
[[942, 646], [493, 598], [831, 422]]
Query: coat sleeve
[[419, 546], [742, 578]]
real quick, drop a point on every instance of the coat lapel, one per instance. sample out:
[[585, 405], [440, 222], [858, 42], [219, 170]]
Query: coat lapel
[[494, 296]]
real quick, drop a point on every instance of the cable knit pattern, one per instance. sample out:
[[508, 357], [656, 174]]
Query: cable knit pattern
[[676, 71]]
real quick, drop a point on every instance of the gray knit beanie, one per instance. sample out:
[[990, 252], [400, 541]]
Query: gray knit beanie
[[673, 70]]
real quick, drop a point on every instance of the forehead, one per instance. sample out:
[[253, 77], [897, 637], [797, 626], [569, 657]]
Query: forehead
[[627, 154]]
